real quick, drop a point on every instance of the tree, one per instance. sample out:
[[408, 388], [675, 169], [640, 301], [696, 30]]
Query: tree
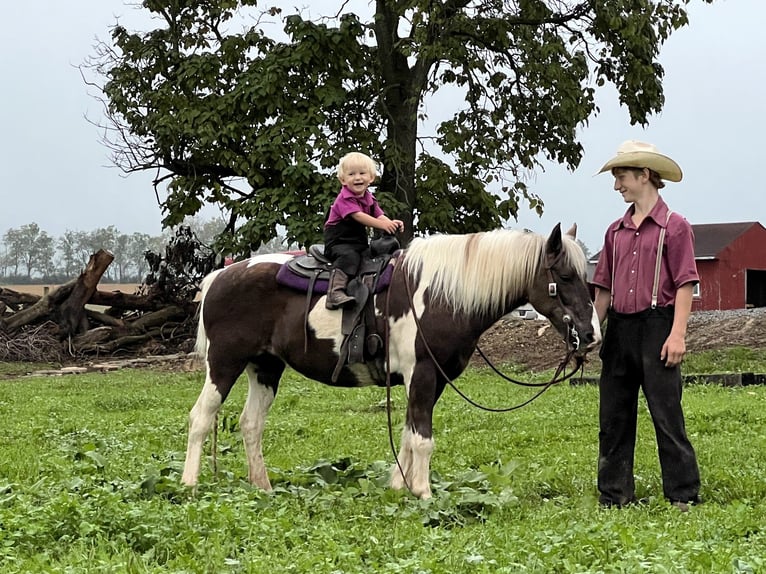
[[122, 256], [257, 125], [73, 250], [14, 250], [29, 248]]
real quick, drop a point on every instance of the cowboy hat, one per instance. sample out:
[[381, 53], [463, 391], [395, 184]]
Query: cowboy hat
[[634, 153]]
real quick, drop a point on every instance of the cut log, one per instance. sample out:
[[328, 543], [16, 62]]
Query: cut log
[[124, 300], [71, 313], [91, 339], [157, 318], [15, 299], [108, 345], [41, 309], [105, 319]]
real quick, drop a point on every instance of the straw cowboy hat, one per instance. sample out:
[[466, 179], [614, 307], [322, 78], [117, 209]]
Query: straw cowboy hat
[[634, 153]]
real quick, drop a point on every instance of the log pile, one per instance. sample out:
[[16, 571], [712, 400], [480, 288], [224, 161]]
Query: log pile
[[78, 320]]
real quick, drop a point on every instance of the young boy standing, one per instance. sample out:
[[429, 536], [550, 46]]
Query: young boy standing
[[644, 281], [345, 231]]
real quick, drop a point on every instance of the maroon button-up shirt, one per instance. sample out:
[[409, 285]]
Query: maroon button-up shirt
[[630, 255]]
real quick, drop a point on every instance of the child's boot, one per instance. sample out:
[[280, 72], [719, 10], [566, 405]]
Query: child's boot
[[336, 290]]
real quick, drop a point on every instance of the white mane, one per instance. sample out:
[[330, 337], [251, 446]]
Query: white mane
[[482, 272]]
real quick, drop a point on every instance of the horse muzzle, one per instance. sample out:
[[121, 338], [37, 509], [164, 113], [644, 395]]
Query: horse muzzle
[[581, 343]]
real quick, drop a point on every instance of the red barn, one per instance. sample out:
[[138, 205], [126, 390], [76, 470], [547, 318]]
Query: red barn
[[731, 261]]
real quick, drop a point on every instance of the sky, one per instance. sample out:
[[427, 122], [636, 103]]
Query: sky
[[56, 171]]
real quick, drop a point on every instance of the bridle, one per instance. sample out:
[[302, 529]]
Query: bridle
[[553, 291]]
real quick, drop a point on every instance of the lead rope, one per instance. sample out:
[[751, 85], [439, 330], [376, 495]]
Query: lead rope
[[388, 377], [579, 363], [545, 386]]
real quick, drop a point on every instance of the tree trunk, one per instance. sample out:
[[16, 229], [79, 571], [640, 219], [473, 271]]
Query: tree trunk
[[124, 300], [42, 308], [71, 313], [404, 87]]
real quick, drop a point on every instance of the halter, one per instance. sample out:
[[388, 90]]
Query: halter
[[553, 291]]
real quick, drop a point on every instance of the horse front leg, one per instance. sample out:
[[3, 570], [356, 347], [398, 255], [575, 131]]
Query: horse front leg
[[414, 461], [260, 396]]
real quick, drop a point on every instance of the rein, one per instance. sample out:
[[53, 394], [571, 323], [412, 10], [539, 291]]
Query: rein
[[387, 330], [559, 369], [544, 386], [557, 378]]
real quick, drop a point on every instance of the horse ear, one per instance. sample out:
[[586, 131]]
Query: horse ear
[[572, 231], [553, 245]]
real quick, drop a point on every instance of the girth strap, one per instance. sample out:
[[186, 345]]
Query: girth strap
[[309, 293]]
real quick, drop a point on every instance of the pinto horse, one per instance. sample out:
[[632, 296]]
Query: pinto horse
[[445, 291]]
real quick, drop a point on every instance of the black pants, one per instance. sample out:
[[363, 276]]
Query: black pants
[[347, 256], [630, 355], [345, 243]]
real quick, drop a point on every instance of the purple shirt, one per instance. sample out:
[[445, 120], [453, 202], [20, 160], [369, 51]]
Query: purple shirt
[[635, 253], [347, 202]]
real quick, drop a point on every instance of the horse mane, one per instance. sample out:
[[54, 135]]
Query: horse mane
[[482, 273]]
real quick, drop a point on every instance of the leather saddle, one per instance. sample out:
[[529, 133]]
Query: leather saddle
[[362, 343]]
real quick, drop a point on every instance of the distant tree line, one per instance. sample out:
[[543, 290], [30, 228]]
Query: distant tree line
[[29, 254]]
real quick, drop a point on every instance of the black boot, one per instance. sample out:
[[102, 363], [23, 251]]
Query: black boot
[[336, 290]]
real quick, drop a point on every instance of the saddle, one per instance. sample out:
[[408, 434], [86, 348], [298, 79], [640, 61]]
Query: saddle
[[362, 342]]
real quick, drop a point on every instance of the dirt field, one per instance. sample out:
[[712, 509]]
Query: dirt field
[[40, 289], [537, 346]]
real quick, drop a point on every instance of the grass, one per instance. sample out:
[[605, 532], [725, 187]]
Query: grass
[[90, 466]]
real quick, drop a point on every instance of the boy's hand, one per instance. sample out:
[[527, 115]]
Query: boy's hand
[[673, 350]]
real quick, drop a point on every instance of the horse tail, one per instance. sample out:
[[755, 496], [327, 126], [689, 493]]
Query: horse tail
[[200, 346]]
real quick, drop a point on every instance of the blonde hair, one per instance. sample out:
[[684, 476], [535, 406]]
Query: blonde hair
[[356, 159]]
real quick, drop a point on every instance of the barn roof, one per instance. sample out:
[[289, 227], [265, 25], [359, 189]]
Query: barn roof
[[711, 238]]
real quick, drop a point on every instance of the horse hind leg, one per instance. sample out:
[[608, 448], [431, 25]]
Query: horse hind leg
[[201, 419], [263, 383]]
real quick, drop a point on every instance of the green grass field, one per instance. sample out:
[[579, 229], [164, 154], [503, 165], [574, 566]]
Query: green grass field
[[90, 466]]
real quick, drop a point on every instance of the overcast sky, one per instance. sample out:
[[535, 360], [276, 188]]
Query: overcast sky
[[56, 173]]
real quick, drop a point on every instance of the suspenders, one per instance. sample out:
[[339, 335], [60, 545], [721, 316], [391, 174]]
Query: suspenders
[[657, 265]]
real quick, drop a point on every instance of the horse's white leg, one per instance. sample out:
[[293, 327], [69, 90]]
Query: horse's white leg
[[201, 420], [415, 461], [403, 463], [419, 474], [251, 422]]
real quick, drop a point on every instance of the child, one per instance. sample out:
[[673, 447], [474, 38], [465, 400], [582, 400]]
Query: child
[[345, 232], [646, 291]]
